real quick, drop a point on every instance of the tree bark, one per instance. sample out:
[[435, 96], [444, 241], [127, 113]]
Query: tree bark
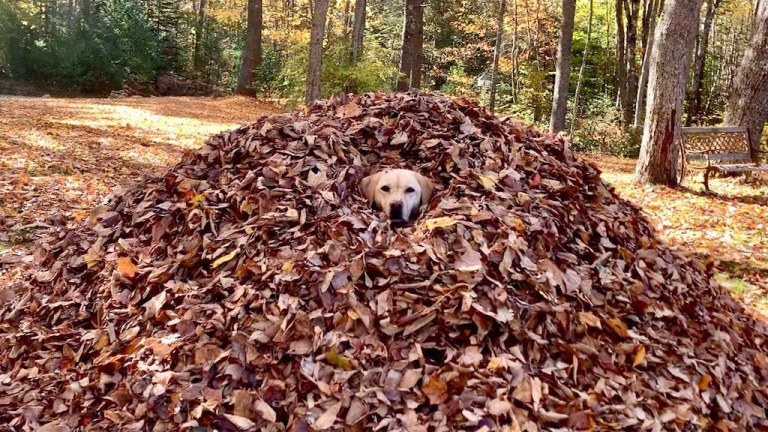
[[632, 9], [418, 49], [702, 48], [315, 62], [515, 64], [642, 85], [197, 61], [358, 30], [580, 80], [748, 104], [621, 64], [563, 74], [497, 52], [252, 50], [413, 39], [670, 62]]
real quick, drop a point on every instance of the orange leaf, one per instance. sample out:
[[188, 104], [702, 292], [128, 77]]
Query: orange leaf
[[639, 356], [704, 382], [618, 326], [436, 390], [126, 267]]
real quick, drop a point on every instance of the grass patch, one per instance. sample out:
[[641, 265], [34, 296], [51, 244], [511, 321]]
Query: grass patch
[[751, 294]]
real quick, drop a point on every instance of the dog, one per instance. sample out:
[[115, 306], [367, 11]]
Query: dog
[[398, 192]]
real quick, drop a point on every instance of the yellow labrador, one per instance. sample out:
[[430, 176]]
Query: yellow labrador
[[397, 192]]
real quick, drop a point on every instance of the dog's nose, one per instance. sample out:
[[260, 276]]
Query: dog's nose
[[396, 210]]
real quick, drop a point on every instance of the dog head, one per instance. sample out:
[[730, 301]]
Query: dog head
[[397, 192]]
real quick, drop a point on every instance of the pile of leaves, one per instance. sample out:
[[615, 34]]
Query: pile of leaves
[[252, 288]]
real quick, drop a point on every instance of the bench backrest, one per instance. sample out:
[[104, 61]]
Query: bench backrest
[[724, 145]]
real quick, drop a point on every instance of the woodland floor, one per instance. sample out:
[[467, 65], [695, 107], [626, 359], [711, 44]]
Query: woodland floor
[[59, 158]]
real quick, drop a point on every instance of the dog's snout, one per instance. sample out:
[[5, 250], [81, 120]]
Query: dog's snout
[[396, 210]]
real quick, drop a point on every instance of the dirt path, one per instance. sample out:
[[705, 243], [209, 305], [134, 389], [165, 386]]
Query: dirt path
[[61, 157]]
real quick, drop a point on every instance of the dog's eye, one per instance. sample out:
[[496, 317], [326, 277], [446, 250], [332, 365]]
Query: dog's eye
[[410, 190], [385, 188]]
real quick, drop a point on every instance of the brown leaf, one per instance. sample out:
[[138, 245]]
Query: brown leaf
[[328, 418], [470, 261], [589, 319], [618, 326], [435, 389], [266, 411], [240, 422]]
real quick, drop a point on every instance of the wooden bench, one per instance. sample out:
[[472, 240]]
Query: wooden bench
[[717, 149]]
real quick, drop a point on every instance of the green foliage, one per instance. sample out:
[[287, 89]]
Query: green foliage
[[86, 54], [598, 130]]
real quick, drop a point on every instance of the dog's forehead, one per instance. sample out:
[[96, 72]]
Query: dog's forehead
[[400, 177]]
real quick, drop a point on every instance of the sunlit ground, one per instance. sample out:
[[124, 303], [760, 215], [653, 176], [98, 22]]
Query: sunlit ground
[[60, 157], [730, 225]]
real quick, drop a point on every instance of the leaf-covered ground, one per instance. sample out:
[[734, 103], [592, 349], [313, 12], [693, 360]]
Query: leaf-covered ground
[[60, 157], [728, 225]]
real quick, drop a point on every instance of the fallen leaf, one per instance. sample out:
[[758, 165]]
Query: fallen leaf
[[435, 389], [328, 418], [240, 422], [126, 267], [639, 355]]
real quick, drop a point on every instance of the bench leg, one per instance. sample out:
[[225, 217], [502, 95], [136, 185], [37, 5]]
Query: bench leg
[[706, 179]]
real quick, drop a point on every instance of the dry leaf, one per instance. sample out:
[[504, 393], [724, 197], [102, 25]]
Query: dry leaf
[[435, 389], [126, 267], [639, 355], [240, 422], [328, 418]]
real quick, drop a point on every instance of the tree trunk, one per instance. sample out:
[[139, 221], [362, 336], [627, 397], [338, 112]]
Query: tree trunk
[[358, 30], [563, 74], [748, 104], [252, 50], [621, 64], [702, 47], [497, 52], [197, 61], [670, 62], [418, 49], [410, 56], [632, 9], [642, 85], [315, 62], [515, 67], [346, 23], [580, 80]]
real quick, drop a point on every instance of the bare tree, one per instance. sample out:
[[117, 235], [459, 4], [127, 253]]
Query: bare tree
[[497, 52], [670, 63], [642, 85], [748, 104], [621, 62], [197, 60], [702, 48], [584, 55], [315, 62], [632, 10], [411, 57], [252, 50], [358, 30], [563, 74]]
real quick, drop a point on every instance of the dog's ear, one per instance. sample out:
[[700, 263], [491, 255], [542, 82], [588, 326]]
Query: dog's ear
[[426, 188], [368, 186]]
